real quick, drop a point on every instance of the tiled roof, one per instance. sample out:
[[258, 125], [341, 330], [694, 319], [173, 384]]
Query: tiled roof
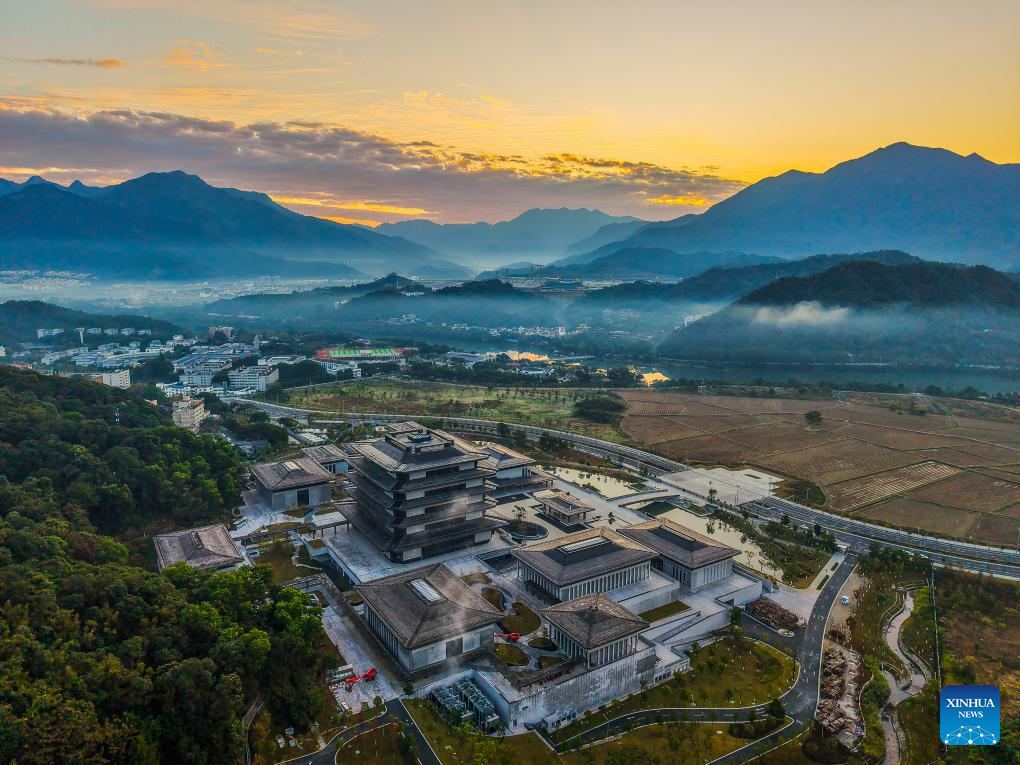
[[562, 501], [418, 615], [594, 620], [679, 543], [503, 457], [412, 450], [325, 453], [291, 474], [204, 548], [565, 561]]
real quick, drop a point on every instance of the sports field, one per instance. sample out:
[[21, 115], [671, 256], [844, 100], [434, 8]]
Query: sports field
[[943, 466]]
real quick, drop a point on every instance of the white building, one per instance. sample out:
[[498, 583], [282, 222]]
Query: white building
[[428, 616], [189, 413], [291, 483], [594, 628], [40, 333], [199, 379], [252, 378], [695, 560], [120, 378], [334, 367]]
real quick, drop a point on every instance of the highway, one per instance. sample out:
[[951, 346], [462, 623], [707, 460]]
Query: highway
[[856, 534], [800, 701]]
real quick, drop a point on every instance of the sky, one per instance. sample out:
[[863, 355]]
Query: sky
[[379, 110]]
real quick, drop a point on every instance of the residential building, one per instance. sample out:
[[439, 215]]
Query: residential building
[[200, 379], [427, 616], [206, 548], [335, 367], [189, 413], [298, 482], [420, 492], [563, 506], [41, 333], [695, 560], [594, 627], [120, 378], [252, 378]]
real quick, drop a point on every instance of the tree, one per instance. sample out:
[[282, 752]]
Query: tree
[[813, 416]]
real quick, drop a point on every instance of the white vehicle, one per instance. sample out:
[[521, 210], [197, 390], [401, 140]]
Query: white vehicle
[[845, 600]]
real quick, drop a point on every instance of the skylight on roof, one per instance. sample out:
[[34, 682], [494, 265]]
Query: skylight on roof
[[584, 544], [427, 592], [291, 465]]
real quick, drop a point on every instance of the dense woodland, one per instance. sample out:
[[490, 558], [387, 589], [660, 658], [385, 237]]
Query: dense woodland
[[102, 661]]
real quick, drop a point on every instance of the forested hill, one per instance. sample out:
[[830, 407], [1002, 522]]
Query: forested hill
[[104, 662], [922, 285], [19, 319]]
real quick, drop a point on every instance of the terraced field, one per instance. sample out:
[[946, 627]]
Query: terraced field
[[951, 469]]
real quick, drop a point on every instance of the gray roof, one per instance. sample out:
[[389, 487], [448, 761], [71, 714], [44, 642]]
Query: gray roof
[[679, 543], [562, 501], [564, 561], [594, 620], [206, 547], [417, 449], [291, 474], [325, 453], [503, 457], [404, 605]]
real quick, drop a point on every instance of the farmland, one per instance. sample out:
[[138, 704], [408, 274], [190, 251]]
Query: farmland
[[943, 466], [542, 407]]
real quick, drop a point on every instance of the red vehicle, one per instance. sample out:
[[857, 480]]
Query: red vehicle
[[513, 637], [368, 675]]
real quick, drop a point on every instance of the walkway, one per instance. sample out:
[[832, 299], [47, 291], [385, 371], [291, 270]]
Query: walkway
[[900, 692]]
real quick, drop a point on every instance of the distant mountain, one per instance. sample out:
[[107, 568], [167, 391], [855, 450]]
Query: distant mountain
[[19, 319], [165, 225], [579, 251], [930, 202], [727, 283], [534, 235], [307, 308], [918, 313]]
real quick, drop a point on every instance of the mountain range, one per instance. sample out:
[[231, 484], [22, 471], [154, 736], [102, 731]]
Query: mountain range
[[933, 203], [918, 313], [166, 225], [538, 234]]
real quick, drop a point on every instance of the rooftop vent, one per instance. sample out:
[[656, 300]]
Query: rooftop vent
[[421, 437], [427, 592], [584, 544]]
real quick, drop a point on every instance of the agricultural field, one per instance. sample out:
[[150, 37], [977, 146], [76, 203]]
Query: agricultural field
[[942, 466], [541, 407]]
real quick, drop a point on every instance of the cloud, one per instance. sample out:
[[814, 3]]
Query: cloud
[[680, 199], [336, 166], [808, 313], [99, 63], [195, 54]]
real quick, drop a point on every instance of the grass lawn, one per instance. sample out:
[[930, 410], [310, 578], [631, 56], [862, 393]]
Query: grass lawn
[[381, 746], [278, 557], [542, 643], [544, 662], [676, 607], [476, 578], [493, 596], [744, 673], [524, 620], [512, 655], [679, 744], [541, 407]]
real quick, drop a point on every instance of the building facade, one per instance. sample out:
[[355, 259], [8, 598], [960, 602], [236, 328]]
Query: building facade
[[252, 378], [427, 616], [291, 483], [420, 493], [594, 628], [693, 559], [189, 413]]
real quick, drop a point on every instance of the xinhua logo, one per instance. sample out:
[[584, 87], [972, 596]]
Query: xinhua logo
[[969, 715]]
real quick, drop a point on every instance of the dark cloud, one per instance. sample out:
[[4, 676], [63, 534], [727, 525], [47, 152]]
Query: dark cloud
[[304, 158]]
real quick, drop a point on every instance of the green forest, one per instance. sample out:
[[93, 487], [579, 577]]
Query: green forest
[[103, 661]]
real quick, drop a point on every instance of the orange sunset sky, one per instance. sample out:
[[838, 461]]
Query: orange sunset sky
[[460, 111]]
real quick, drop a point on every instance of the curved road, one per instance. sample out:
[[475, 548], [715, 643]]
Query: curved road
[[857, 535]]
